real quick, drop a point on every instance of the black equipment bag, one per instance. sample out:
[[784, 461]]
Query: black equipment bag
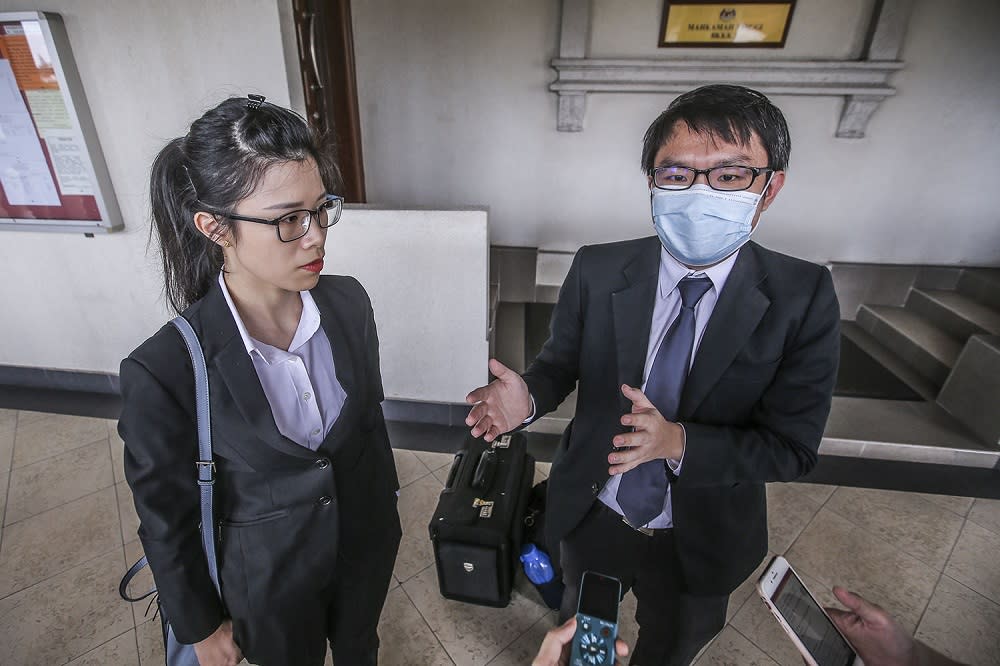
[[477, 526]]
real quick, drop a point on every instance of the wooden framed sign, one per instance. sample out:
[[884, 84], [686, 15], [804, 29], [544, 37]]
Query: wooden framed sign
[[52, 172], [740, 23]]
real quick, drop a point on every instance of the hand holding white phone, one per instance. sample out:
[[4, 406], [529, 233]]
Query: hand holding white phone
[[803, 618]]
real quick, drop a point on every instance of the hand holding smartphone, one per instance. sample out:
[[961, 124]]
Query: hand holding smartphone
[[596, 621], [803, 618]]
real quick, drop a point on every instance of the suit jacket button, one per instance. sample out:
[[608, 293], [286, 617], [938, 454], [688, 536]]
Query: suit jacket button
[[322, 463], [325, 500], [595, 488]]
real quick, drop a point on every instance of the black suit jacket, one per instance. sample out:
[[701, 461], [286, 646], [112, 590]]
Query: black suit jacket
[[280, 534], [754, 405]]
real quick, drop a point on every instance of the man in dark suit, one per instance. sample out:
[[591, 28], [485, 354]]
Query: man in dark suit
[[705, 367]]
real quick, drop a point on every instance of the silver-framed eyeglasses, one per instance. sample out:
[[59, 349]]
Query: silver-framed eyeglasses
[[725, 178], [294, 225]]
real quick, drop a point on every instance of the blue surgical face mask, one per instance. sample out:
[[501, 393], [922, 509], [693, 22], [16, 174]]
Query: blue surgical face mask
[[700, 226]]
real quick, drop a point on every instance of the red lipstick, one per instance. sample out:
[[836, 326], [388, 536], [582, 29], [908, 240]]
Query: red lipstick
[[314, 266]]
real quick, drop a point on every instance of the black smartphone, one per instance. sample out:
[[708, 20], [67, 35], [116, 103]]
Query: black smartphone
[[596, 621]]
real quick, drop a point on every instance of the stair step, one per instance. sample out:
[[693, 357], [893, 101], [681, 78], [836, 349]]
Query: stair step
[[889, 359], [972, 391], [931, 351], [982, 285], [957, 314]]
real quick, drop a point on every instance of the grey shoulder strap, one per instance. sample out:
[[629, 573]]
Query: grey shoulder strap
[[205, 463]]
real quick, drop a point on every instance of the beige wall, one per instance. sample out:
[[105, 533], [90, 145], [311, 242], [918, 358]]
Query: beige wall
[[149, 68], [455, 111]]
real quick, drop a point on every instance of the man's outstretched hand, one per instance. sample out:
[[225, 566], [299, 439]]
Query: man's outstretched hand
[[500, 406]]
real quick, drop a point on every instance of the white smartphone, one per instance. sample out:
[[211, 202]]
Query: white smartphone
[[803, 618]]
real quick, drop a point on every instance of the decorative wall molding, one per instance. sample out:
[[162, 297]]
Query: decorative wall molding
[[863, 83], [785, 77]]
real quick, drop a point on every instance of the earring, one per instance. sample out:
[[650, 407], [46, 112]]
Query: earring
[[227, 243]]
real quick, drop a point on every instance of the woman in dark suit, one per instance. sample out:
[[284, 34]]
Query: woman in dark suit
[[305, 485]]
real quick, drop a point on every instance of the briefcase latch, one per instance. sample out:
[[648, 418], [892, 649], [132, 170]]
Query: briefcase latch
[[485, 507], [502, 443]]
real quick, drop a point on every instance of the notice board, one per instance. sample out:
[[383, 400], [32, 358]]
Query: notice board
[[52, 172]]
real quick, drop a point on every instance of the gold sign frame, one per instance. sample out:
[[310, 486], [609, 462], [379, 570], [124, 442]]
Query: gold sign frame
[[720, 24]]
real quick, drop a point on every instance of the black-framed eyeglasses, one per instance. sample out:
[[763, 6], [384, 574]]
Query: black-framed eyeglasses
[[724, 178], [294, 225]]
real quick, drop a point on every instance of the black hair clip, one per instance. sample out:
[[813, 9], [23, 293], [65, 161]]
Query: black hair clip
[[255, 102]]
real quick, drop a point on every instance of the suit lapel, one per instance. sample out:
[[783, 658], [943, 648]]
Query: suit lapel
[[345, 358], [235, 367], [738, 311], [633, 315], [228, 357]]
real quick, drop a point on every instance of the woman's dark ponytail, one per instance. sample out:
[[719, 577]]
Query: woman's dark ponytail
[[190, 260], [218, 163]]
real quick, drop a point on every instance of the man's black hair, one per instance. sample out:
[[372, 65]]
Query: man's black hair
[[732, 114]]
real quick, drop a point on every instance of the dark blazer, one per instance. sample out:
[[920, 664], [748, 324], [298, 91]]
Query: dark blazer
[[289, 519], [754, 405]]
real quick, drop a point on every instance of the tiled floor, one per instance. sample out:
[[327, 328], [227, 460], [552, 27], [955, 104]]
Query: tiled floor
[[68, 531]]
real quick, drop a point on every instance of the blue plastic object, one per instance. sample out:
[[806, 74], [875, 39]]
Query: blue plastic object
[[537, 565]]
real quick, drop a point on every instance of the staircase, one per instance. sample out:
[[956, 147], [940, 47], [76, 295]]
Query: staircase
[[944, 340], [937, 329]]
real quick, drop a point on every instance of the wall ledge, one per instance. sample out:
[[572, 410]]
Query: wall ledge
[[863, 83], [60, 380]]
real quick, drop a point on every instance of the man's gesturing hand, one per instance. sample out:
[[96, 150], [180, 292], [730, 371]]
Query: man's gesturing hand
[[654, 438], [500, 406]]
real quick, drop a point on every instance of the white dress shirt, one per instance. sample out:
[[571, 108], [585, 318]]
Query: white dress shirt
[[301, 383], [666, 309]]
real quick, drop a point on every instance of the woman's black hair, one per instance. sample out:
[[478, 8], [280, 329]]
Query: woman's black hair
[[215, 165]]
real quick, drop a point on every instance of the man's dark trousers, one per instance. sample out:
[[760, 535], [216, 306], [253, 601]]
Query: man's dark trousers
[[674, 625]]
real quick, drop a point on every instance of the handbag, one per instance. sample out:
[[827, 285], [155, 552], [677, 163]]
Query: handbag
[[181, 654]]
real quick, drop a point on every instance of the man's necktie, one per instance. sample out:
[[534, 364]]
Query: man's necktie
[[643, 489]]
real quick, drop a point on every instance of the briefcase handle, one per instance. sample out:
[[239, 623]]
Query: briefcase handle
[[456, 465], [486, 469]]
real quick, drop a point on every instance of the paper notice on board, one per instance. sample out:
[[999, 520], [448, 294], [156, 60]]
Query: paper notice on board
[[28, 56], [69, 159], [49, 110], [24, 173]]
